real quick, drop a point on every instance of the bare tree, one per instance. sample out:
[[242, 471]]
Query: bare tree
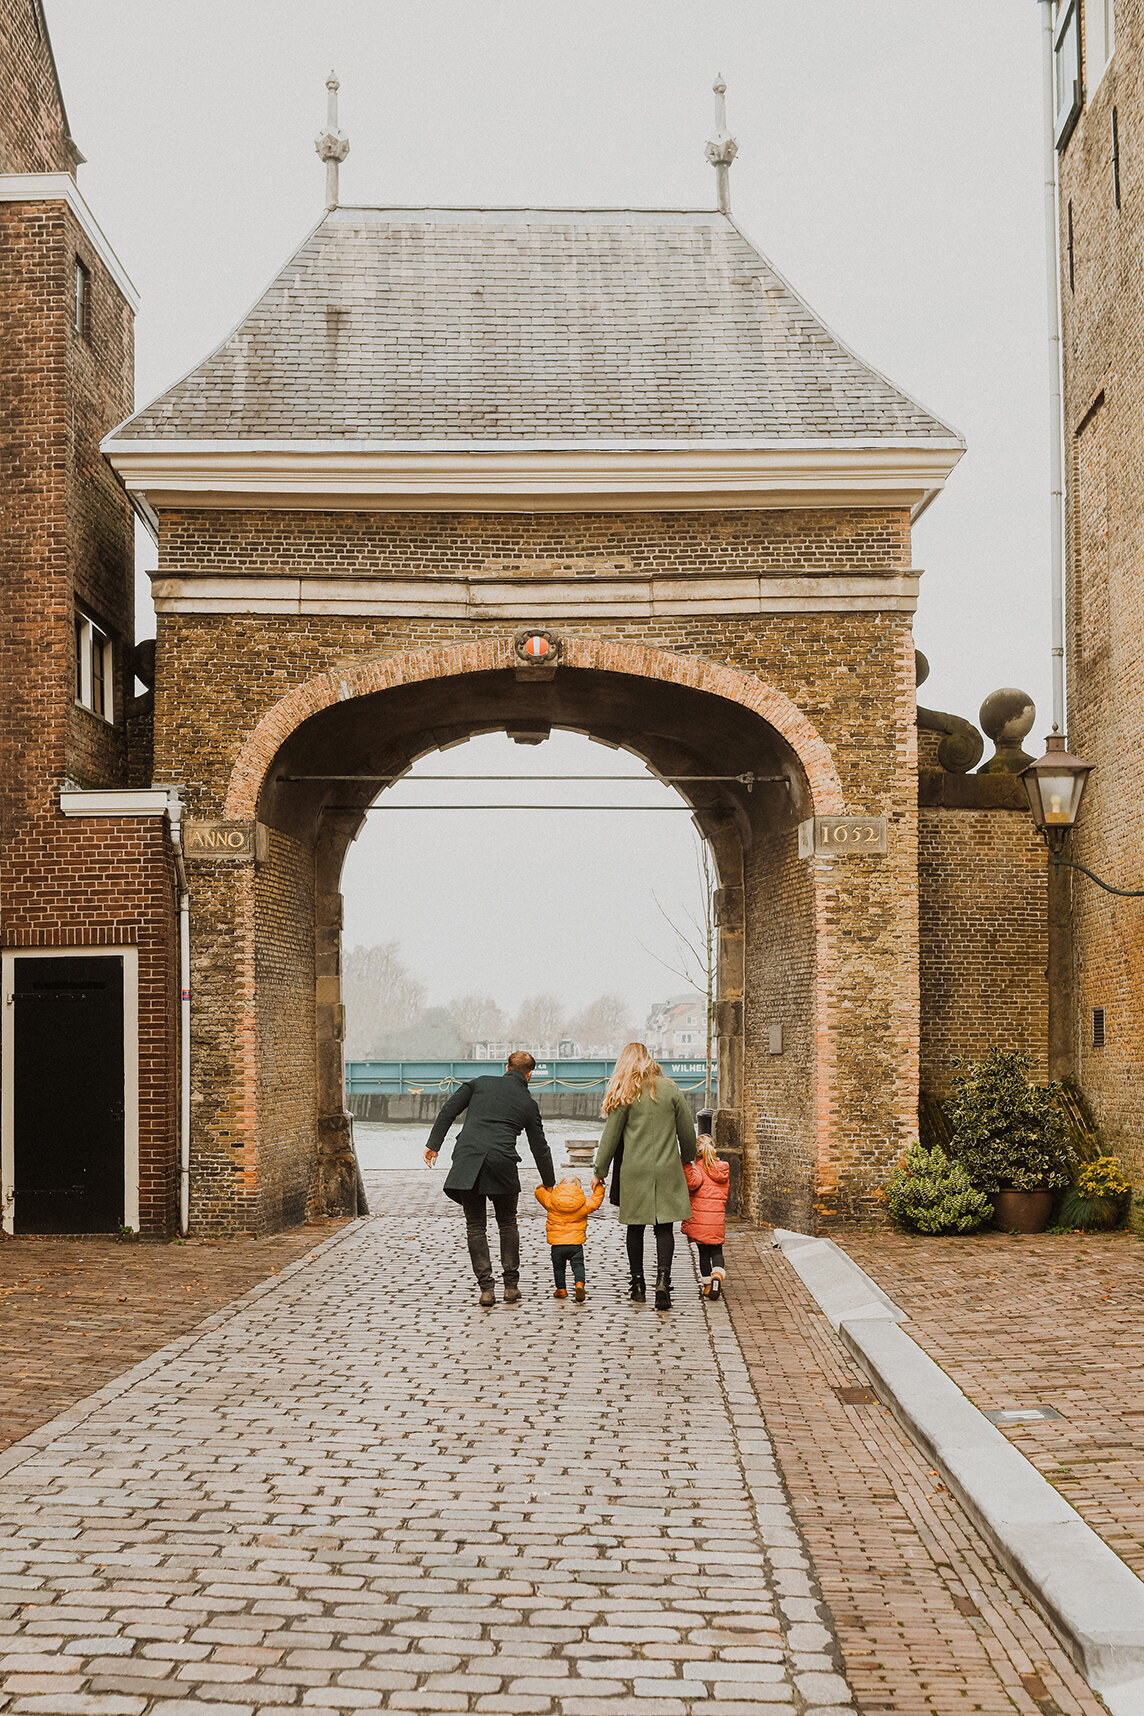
[[478, 1019], [695, 948], [605, 1024], [381, 995], [539, 1020]]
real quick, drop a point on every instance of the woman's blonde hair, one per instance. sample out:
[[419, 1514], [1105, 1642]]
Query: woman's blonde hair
[[635, 1072], [705, 1149]]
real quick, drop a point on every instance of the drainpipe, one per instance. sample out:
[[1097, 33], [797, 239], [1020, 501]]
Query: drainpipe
[[1056, 409], [1059, 926], [175, 812]]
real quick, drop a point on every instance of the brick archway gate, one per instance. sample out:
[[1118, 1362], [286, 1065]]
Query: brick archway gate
[[815, 1120], [439, 425]]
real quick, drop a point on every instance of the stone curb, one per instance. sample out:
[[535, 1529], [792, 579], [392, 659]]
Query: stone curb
[[1091, 1599], [37, 1440]]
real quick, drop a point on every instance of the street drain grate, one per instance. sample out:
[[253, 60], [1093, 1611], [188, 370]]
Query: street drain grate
[[1007, 1415], [857, 1396]]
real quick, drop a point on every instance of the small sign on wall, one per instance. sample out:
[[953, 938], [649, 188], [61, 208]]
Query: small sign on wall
[[842, 837], [216, 842]]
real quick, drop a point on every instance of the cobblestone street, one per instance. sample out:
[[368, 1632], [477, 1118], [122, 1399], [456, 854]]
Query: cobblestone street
[[354, 1489]]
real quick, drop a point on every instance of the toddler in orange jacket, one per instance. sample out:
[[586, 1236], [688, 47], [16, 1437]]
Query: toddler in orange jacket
[[568, 1212]]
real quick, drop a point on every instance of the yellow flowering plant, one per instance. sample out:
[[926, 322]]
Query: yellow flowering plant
[[1102, 1178]]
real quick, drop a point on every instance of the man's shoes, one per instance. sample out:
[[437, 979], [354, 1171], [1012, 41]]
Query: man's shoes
[[488, 1297], [512, 1295], [581, 1295], [560, 1293], [638, 1293], [663, 1291]]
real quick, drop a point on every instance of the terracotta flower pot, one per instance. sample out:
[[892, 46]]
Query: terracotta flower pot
[[1022, 1212]]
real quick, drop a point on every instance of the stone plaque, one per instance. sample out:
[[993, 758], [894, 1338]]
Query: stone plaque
[[842, 837], [241, 842]]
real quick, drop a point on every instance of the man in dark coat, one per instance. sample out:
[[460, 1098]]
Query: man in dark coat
[[485, 1163]]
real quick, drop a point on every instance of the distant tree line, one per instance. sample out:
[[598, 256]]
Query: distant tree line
[[387, 1016]]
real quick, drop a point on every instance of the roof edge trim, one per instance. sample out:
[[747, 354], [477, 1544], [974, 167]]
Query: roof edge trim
[[62, 188], [303, 474]]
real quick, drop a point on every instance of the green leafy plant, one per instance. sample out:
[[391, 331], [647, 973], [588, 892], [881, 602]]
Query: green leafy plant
[[931, 1193], [1097, 1200], [1006, 1131]]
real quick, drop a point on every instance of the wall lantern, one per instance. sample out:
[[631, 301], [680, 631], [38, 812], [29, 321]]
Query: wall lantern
[[1055, 785]]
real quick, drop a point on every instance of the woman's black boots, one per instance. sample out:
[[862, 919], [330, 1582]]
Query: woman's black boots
[[663, 1291], [639, 1290]]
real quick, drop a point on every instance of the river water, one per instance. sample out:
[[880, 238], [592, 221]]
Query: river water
[[396, 1146]]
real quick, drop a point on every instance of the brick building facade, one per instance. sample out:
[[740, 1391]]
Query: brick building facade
[[86, 910], [419, 446], [1100, 78]]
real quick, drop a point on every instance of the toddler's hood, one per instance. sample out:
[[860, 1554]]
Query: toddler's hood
[[719, 1171], [567, 1197]]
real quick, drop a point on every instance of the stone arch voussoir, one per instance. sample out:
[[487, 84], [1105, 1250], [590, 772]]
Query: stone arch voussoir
[[406, 667]]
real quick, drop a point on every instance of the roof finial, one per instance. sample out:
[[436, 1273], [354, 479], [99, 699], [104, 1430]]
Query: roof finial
[[332, 147], [722, 149]]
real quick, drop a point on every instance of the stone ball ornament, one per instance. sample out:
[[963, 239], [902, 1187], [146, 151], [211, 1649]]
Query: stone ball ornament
[[1007, 716]]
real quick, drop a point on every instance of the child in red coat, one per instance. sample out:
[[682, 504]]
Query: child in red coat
[[709, 1182]]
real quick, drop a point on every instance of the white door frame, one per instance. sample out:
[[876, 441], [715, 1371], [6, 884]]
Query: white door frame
[[130, 958]]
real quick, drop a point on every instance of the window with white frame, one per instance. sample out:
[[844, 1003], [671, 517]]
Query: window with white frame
[[1099, 37], [94, 681], [1068, 89], [82, 321]]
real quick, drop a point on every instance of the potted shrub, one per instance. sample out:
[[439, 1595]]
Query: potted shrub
[[1011, 1139], [1097, 1200], [930, 1193]]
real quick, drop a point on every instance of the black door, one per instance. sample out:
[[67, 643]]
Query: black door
[[67, 1094]]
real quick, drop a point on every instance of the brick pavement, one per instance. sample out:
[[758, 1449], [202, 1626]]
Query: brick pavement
[[1051, 1320], [926, 1618], [356, 1490], [76, 1312]]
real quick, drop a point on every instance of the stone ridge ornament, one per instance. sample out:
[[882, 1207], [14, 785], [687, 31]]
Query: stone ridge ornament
[[226, 842], [842, 837]]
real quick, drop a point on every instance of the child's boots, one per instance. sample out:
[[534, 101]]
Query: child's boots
[[716, 1290]]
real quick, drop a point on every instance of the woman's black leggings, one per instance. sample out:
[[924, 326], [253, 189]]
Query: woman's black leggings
[[664, 1246]]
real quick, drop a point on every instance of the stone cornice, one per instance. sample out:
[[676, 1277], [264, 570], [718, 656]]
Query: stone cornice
[[558, 600], [589, 476], [62, 188]]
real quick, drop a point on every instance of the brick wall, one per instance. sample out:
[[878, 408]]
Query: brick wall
[[538, 545], [285, 978], [1104, 405], [982, 892], [33, 126]]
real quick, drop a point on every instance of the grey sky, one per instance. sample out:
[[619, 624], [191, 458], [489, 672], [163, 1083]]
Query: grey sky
[[889, 165]]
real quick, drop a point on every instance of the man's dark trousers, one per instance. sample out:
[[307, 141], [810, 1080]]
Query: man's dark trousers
[[475, 1206]]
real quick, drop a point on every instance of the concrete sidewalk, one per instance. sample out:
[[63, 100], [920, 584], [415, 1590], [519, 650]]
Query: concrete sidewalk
[[355, 1490]]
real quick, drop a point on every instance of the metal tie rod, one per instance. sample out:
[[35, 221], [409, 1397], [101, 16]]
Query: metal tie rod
[[628, 809], [379, 780]]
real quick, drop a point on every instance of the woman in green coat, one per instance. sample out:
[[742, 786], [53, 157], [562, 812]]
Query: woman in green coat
[[649, 1135]]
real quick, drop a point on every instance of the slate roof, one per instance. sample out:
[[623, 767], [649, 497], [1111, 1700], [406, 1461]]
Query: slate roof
[[549, 325]]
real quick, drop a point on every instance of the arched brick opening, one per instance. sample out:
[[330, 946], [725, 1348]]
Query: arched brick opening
[[680, 714], [405, 667]]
